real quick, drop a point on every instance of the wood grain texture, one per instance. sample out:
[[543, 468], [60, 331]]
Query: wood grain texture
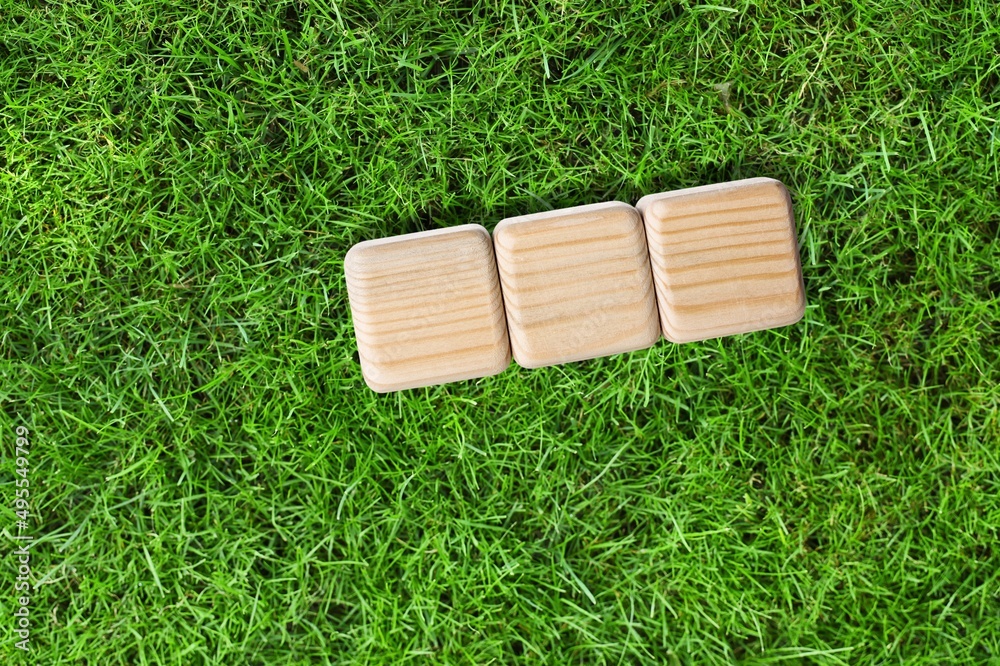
[[427, 308], [725, 259], [576, 284]]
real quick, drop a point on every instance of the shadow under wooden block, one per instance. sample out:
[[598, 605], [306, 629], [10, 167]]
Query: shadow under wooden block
[[427, 308], [725, 259], [576, 284]]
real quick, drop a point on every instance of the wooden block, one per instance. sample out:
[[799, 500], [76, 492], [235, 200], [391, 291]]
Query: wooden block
[[725, 259], [427, 308], [576, 284]]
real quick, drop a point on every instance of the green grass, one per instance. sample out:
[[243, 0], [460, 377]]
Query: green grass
[[211, 480]]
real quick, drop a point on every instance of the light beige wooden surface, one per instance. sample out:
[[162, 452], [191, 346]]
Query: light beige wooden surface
[[427, 308], [576, 284], [725, 259]]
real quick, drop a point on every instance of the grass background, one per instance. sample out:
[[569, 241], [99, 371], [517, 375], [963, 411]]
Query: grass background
[[213, 483]]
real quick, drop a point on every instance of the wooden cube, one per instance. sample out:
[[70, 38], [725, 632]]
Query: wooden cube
[[725, 259], [427, 308], [576, 284]]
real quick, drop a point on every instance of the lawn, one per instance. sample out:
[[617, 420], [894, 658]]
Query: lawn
[[211, 482]]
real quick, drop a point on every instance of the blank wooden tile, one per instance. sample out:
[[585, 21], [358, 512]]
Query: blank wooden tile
[[725, 259], [427, 308], [576, 284]]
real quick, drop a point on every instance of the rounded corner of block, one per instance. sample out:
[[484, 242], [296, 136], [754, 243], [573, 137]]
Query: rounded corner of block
[[774, 185], [652, 336], [660, 208], [499, 363], [629, 211], [800, 314], [644, 204], [526, 360], [354, 258], [624, 207], [375, 378], [470, 229], [500, 227], [674, 336], [799, 310], [503, 235], [675, 340], [621, 214], [377, 388], [769, 180], [482, 236]]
